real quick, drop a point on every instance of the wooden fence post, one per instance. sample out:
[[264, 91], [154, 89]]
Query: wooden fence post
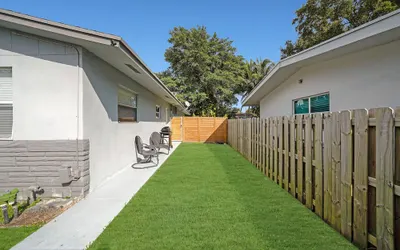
[[266, 146], [318, 186], [293, 155], [248, 125], [300, 179], [258, 145], [285, 174], [346, 168], [309, 158], [336, 212], [327, 168], [360, 202], [253, 142], [280, 151], [263, 145], [275, 170], [384, 178], [270, 148]]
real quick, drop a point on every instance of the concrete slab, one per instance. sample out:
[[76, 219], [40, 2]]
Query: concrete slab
[[83, 223]]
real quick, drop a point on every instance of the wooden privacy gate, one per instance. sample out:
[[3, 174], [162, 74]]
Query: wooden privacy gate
[[199, 129], [345, 166]]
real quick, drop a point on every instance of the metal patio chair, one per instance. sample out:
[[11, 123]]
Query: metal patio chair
[[148, 153], [157, 141]]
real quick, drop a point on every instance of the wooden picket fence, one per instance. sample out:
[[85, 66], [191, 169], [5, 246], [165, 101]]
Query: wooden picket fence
[[344, 166]]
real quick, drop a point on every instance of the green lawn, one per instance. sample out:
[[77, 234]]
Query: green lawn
[[11, 236], [208, 196]]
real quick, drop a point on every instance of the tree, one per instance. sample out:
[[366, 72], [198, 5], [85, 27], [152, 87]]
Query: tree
[[233, 112], [319, 20], [204, 70], [254, 72]]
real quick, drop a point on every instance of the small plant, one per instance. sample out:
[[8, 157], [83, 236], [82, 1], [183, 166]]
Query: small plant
[[9, 197], [25, 205]]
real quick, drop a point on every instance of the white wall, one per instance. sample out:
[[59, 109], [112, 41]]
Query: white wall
[[45, 86], [111, 143], [365, 79], [56, 99]]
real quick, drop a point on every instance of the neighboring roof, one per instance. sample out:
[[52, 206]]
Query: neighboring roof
[[112, 49], [377, 32]]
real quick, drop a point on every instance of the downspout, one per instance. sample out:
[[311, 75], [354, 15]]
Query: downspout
[[77, 175]]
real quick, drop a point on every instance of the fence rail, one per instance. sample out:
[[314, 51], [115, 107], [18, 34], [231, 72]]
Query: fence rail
[[344, 166]]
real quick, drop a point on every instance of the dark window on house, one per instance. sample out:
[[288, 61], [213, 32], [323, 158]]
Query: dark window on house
[[312, 104], [127, 105], [319, 103], [301, 106], [158, 112]]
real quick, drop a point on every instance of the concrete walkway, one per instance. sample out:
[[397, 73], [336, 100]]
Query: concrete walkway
[[83, 223]]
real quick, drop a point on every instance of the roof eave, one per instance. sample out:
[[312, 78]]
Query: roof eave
[[308, 53], [139, 61], [88, 35]]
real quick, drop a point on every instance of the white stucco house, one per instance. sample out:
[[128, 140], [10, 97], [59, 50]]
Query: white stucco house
[[358, 69], [71, 102]]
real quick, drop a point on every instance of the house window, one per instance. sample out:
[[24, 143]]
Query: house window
[[173, 111], [312, 104], [6, 103], [127, 105], [158, 112]]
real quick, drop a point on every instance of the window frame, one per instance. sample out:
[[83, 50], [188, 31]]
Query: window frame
[[167, 115], [10, 103], [309, 102], [158, 112], [125, 119]]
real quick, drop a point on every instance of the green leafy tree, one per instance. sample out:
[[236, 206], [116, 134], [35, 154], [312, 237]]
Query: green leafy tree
[[319, 20], [204, 70], [254, 72]]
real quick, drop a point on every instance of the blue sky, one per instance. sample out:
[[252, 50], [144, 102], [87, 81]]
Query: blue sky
[[257, 27]]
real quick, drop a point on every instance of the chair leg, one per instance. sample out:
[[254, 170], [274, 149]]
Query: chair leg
[[158, 160]]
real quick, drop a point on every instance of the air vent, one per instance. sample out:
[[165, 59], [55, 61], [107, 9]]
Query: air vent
[[132, 68]]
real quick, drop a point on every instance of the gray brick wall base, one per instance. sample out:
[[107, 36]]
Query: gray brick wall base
[[40, 163]]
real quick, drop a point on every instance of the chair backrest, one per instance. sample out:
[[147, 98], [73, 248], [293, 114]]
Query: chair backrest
[[139, 144], [155, 139]]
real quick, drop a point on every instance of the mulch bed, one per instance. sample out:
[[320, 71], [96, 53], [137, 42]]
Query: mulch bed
[[38, 216]]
